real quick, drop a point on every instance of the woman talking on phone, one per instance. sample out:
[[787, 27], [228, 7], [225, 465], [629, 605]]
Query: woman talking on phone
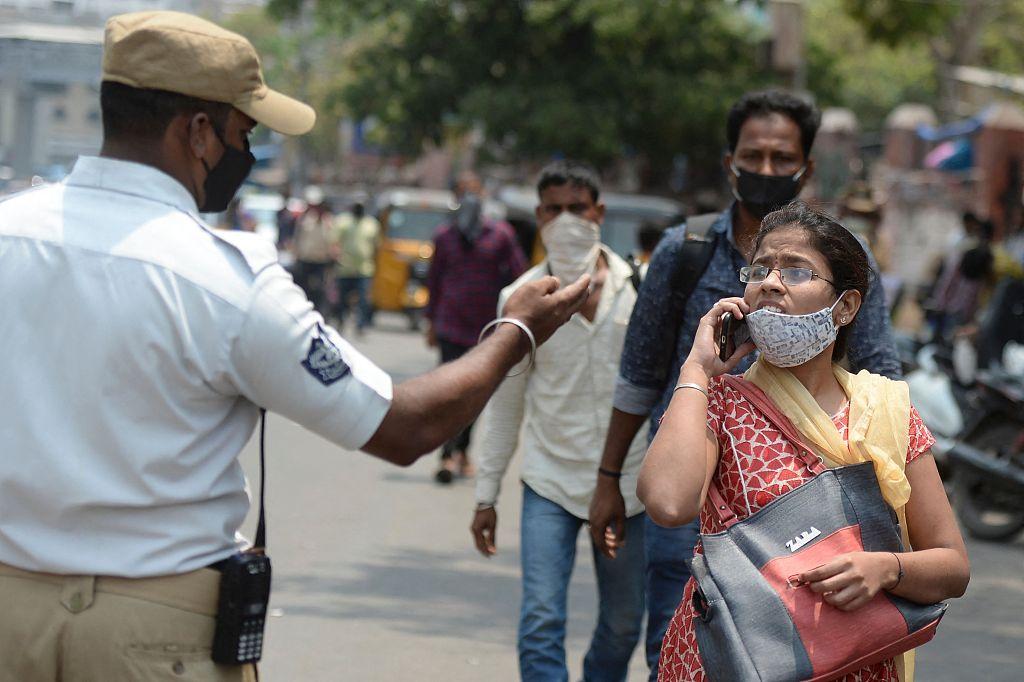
[[729, 448]]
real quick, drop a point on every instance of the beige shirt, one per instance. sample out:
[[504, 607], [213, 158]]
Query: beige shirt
[[357, 241], [313, 236], [562, 405]]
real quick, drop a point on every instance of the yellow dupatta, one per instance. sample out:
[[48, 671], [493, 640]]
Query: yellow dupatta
[[878, 432]]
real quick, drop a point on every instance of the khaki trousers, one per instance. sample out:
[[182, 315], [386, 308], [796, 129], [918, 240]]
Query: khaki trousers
[[73, 628]]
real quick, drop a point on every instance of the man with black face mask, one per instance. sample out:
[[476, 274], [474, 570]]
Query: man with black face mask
[[768, 162], [138, 348]]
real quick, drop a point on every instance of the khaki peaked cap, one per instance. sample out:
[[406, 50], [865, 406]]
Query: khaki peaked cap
[[182, 53]]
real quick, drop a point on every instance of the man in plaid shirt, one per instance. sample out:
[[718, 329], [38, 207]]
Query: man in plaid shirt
[[474, 259]]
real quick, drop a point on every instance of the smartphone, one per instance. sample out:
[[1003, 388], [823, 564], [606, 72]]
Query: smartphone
[[732, 334]]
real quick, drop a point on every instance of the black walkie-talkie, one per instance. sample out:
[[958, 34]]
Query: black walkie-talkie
[[244, 592], [242, 610]]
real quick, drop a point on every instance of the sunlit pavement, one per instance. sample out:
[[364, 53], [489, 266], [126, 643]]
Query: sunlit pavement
[[376, 577]]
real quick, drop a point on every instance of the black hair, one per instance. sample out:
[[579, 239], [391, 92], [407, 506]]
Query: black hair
[[144, 114], [649, 235], [844, 254], [763, 103], [573, 173], [987, 230], [976, 263]]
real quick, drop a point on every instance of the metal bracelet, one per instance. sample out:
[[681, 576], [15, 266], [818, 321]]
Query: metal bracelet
[[484, 506], [697, 387], [522, 326]]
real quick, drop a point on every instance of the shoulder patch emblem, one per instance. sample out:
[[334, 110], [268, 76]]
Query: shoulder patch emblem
[[324, 360]]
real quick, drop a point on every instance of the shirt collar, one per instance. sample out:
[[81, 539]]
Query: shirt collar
[[619, 271], [128, 177]]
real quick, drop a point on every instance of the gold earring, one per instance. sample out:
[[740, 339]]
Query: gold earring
[[843, 320]]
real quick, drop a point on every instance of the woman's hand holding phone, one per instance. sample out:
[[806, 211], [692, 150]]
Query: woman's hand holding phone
[[705, 354]]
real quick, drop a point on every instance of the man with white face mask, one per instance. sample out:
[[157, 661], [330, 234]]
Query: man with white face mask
[[564, 401]]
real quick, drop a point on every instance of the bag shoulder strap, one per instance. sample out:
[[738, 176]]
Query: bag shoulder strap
[[763, 403]]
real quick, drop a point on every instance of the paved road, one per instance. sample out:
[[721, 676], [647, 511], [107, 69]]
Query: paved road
[[376, 577]]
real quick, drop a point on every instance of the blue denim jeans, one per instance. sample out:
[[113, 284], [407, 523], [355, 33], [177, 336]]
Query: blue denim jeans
[[668, 553], [548, 541]]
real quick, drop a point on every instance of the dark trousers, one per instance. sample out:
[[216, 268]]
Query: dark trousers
[[312, 278], [453, 351], [360, 286]]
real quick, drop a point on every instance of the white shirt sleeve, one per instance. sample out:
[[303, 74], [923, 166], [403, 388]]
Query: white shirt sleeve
[[502, 420], [287, 360]]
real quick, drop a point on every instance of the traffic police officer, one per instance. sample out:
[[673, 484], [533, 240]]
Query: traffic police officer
[[138, 345]]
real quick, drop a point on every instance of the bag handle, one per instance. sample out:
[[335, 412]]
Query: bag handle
[[762, 402]]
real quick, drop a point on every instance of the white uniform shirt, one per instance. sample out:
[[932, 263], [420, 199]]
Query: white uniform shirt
[[563, 404], [137, 344]]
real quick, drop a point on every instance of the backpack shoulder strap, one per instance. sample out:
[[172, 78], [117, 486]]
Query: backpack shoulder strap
[[697, 226], [635, 278], [693, 260]]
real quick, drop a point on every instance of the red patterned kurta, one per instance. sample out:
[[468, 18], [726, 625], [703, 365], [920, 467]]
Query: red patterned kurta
[[756, 464]]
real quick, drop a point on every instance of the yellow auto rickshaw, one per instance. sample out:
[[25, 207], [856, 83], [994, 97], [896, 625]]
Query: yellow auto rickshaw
[[408, 219]]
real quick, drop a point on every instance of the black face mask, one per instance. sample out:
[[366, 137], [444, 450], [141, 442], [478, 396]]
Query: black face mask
[[467, 218], [224, 179], [762, 194]]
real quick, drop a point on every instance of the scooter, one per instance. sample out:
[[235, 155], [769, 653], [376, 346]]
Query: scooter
[[988, 460], [946, 406]]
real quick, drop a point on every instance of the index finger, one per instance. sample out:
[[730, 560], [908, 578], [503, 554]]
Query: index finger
[[819, 573]]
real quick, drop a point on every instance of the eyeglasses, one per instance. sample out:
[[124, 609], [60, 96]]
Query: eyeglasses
[[755, 274]]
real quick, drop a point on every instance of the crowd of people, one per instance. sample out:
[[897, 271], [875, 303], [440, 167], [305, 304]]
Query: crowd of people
[[638, 413]]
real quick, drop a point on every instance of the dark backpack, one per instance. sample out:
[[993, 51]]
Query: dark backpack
[[693, 262]]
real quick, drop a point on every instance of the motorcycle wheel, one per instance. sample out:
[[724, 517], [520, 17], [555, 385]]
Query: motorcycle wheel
[[977, 505]]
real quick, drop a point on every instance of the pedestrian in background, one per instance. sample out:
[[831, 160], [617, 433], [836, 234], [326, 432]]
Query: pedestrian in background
[[125, 407], [474, 258], [286, 220], [561, 403], [314, 232], [356, 237], [769, 138]]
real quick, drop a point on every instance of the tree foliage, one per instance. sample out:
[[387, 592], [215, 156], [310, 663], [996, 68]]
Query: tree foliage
[[897, 22], [600, 79], [593, 79], [982, 33], [846, 68]]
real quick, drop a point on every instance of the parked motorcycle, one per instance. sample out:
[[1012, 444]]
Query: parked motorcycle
[[988, 460], [946, 406]]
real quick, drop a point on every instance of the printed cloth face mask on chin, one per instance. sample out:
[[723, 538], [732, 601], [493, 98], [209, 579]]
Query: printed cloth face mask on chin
[[791, 340]]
